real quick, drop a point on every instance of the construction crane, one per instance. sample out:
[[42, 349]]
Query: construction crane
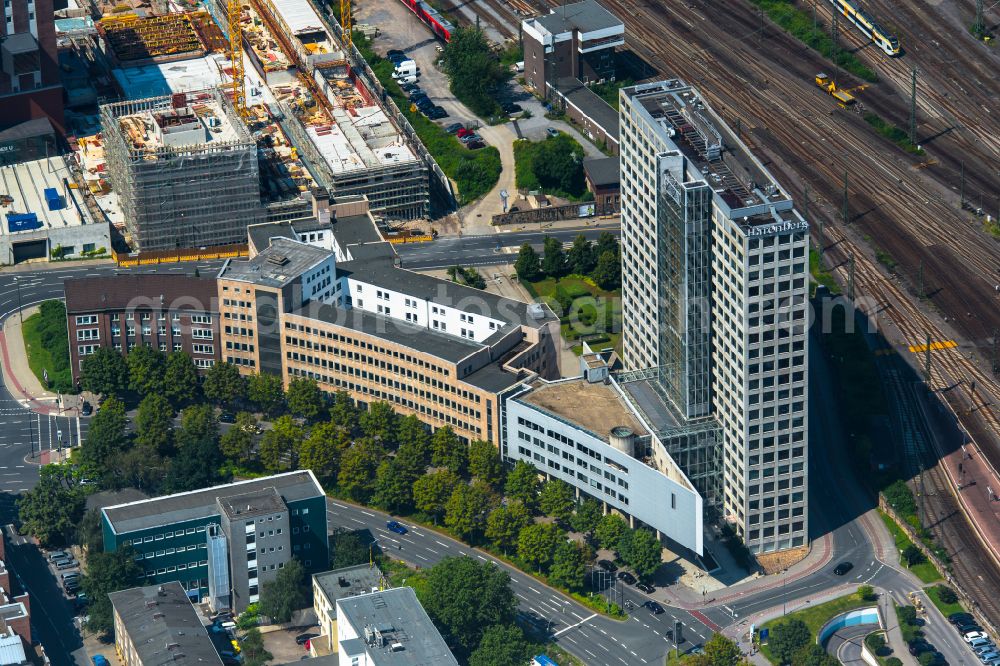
[[236, 57], [345, 23]]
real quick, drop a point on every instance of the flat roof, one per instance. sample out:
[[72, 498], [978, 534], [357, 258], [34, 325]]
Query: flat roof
[[158, 79], [253, 503], [276, 265], [586, 16], [363, 139], [298, 15], [163, 626], [405, 634], [215, 125], [196, 504], [141, 291], [650, 402], [590, 104], [603, 171], [348, 582], [596, 407], [26, 183]]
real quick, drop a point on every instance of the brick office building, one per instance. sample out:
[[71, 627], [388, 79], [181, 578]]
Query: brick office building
[[30, 87], [166, 312]]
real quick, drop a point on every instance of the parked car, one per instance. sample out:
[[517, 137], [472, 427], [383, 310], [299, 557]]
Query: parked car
[[67, 564], [511, 108], [645, 587], [475, 144], [987, 657], [392, 53], [407, 79], [410, 88], [86, 408], [653, 607], [453, 128], [437, 113], [464, 132], [626, 578], [227, 417], [100, 660], [302, 639], [607, 565], [394, 526], [984, 649], [842, 568], [70, 575], [960, 618], [967, 628], [970, 636], [552, 131], [979, 642], [58, 555], [470, 137]]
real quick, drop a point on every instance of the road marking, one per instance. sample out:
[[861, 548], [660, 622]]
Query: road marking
[[603, 632], [590, 653], [604, 647], [571, 640], [440, 544], [342, 506], [421, 557], [359, 522], [481, 557], [534, 590], [565, 629], [432, 550]]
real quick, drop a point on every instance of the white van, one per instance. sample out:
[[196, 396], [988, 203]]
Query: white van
[[406, 68]]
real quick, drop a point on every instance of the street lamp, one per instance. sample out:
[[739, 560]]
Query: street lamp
[[20, 313]]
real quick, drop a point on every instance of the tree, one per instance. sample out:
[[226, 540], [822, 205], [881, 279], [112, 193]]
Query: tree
[[180, 379], [237, 442], [485, 463], [913, 555], [52, 509], [581, 256], [906, 615], [474, 71], [106, 441], [556, 499], [393, 488], [198, 459], [568, 566], [321, 450], [505, 523], [379, 422], [105, 372], [946, 594], [90, 531], [814, 655], [585, 518], [528, 265], [641, 550], [413, 454], [107, 573], [930, 658], [554, 262], [198, 424], [154, 424], [305, 399], [558, 166], [893, 661], [522, 484], [146, 367], [357, 469], [787, 638], [610, 531], [876, 643], [266, 392], [608, 272], [224, 384], [280, 445], [867, 592], [464, 597], [608, 242], [252, 648], [286, 594], [447, 450], [466, 510], [722, 651], [343, 413], [432, 491], [537, 542], [347, 549], [502, 645]]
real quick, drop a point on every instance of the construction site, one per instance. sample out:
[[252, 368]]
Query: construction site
[[184, 168]]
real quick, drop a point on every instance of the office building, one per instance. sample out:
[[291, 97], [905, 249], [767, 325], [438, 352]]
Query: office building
[[185, 169], [157, 624], [223, 543], [166, 312], [388, 628], [15, 618], [353, 320], [30, 88], [331, 586], [715, 309]]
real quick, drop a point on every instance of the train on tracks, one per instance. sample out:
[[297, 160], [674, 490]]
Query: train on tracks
[[866, 23], [441, 26]]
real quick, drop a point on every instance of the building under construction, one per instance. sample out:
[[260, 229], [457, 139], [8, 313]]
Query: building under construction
[[184, 168]]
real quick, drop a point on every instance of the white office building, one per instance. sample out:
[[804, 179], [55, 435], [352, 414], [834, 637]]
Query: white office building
[[714, 301]]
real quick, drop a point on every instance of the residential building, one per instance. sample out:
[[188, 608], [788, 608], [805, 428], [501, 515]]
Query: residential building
[[715, 309], [223, 543], [331, 586], [15, 619], [157, 624], [388, 628], [604, 182], [353, 320], [30, 88], [166, 312]]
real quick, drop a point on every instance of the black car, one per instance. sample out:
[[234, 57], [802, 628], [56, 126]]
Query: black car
[[607, 565], [648, 589], [653, 607], [454, 127], [959, 619], [437, 113], [842, 568], [511, 108], [391, 53], [302, 639], [626, 578], [86, 409], [410, 88], [227, 417]]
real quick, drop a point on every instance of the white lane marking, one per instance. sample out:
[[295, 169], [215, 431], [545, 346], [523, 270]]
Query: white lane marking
[[367, 513], [359, 522], [421, 557], [432, 550], [534, 590], [565, 629], [440, 544]]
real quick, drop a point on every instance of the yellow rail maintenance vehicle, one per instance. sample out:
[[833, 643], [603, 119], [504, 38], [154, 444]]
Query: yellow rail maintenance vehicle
[[842, 96]]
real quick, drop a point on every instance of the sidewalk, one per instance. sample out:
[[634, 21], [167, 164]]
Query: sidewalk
[[18, 378]]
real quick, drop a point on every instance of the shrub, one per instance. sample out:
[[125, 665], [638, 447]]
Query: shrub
[[946, 594], [867, 592]]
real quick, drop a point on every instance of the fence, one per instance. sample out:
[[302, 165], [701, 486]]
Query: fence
[[124, 259], [555, 214]]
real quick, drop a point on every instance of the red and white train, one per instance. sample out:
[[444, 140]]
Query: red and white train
[[441, 26]]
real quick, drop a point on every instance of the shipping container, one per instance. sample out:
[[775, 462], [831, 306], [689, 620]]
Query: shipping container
[[22, 222]]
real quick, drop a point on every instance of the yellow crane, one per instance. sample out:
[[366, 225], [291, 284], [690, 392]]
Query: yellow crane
[[345, 23], [236, 57]]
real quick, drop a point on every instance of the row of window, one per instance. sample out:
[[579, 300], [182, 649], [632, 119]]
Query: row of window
[[169, 551], [593, 483], [171, 569]]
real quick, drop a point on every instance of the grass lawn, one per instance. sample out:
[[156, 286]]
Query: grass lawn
[[40, 357], [821, 275], [925, 571], [945, 608], [583, 320], [816, 616]]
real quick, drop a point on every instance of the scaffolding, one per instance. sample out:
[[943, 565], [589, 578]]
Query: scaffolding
[[132, 37], [175, 193]]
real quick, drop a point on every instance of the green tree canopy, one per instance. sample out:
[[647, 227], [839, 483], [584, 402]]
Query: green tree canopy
[[106, 573], [105, 372], [554, 261], [380, 422], [504, 525], [522, 484], [611, 529], [586, 517], [279, 446], [305, 399], [528, 264], [357, 469], [640, 550], [447, 450], [90, 531], [413, 454], [343, 412], [237, 442], [502, 645], [180, 379], [723, 651], [252, 648], [154, 424], [224, 384], [464, 597], [347, 549], [146, 368], [106, 441], [608, 242], [393, 489], [432, 491], [52, 509], [558, 166], [556, 499], [608, 273], [787, 638], [266, 392], [321, 450], [537, 543], [813, 654], [474, 71], [568, 566], [287, 593], [466, 510], [198, 458], [582, 258], [485, 463]]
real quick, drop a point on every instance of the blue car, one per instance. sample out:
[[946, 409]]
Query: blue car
[[394, 526]]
